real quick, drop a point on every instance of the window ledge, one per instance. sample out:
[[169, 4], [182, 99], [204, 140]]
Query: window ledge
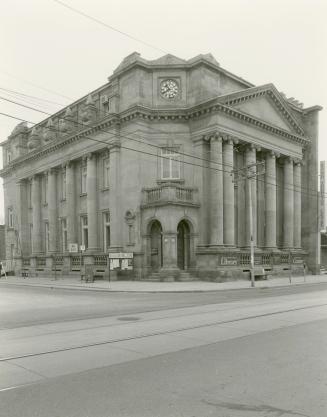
[[62, 199], [105, 189], [83, 194], [176, 181]]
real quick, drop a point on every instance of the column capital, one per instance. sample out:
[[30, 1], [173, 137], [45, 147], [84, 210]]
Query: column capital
[[51, 171], [272, 154], [252, 147], [215, 138], [68, 164]]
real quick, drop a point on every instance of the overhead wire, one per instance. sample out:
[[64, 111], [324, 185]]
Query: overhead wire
[[314, 193], [100, 22]]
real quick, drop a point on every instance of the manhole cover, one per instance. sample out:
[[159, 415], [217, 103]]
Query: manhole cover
[[128, 318]]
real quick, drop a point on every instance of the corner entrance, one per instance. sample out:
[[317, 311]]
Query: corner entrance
[[183, 245], [156, 245]]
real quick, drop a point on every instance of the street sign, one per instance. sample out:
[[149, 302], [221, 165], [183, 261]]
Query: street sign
[[73, 247]]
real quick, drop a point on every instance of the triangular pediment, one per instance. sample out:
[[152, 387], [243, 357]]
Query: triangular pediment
[[264, 103]]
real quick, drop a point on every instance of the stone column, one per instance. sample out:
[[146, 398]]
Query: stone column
[[229, 210], [52, 210], [288, 224], [70, 202], [92, 206], [250, 161], [216, 192], [116, 214], [37, 215], [270, 201], [297, 205], [22, 218]]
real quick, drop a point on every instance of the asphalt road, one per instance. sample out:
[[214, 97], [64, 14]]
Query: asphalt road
[[240, 353], [24, 306]]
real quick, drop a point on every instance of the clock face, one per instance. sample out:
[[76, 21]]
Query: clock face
[[169, 89]]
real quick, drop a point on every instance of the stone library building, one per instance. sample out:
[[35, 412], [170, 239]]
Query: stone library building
[[175, 163]]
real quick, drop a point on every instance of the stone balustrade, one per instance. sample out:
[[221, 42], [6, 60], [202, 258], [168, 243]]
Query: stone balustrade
[[170, 193]]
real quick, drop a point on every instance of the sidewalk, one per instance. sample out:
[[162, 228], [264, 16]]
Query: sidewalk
[[149, 287]]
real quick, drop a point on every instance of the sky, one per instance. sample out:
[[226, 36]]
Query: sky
[[52, 53]]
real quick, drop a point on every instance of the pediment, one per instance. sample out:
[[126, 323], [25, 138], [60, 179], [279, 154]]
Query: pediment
[[266, 104]]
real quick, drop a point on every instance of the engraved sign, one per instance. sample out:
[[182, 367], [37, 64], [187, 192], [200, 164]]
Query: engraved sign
[[228, 260]]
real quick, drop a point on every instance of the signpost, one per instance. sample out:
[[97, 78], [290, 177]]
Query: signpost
[[82, 249], [120, 261]]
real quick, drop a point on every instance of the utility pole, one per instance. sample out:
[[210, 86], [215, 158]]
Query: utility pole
[[247, 173]]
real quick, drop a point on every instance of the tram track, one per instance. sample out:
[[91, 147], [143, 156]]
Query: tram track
[[157, 333]]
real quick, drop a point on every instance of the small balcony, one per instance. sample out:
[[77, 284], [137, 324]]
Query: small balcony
[[170, 194]]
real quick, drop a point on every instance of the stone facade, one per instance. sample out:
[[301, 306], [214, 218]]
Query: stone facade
[[151, 163]]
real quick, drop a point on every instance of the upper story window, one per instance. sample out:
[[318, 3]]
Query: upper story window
[[45, 189], [9, 157], [10, 217], [83, 178], [63, 185], [106, 172], [29, 194], [170, 164]]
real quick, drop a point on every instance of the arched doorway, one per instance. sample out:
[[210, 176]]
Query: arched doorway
[[183, 245], [156, 245]]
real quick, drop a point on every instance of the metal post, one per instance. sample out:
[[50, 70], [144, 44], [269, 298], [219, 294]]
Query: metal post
[[251, 234], [109, 271], [55, 267], [80, 263], [290, 265]]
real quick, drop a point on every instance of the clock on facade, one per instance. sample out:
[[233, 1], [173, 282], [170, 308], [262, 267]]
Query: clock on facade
[[169, 89]]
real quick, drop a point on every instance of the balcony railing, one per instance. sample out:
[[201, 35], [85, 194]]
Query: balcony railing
[[170, 193]]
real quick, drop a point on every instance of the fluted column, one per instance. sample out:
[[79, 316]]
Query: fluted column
[[216, 191], [297, 205], [229, 210], [270, 201], [52, 209], [70, 202], [22, 217], [37, 215], [92, 206], [250, 161], [116, 214], [288, 224]]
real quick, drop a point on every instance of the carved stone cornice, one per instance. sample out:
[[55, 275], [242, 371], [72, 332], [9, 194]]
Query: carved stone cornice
[[141, 112]]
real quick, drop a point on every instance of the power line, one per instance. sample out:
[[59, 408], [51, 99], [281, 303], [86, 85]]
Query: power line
[[100, 22], [36, 85], [293, 188], [30, 96], [151, 145]]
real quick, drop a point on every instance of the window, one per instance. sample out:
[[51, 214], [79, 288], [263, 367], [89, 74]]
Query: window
[[29, 194], [106, 172], [83, 179], [84, 228], [106, 231], [170, 164], [63, 185], [9, 157], [47, 237], [45, 189], [12, 251], [10, 217], [64, 234]]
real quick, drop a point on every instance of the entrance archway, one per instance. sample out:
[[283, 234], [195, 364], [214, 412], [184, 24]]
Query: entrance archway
[[183, 245], [156, 245]]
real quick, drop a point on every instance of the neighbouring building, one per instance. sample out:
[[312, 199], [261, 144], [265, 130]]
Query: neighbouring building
[[323, 196], [161, 162], [2, 242]]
